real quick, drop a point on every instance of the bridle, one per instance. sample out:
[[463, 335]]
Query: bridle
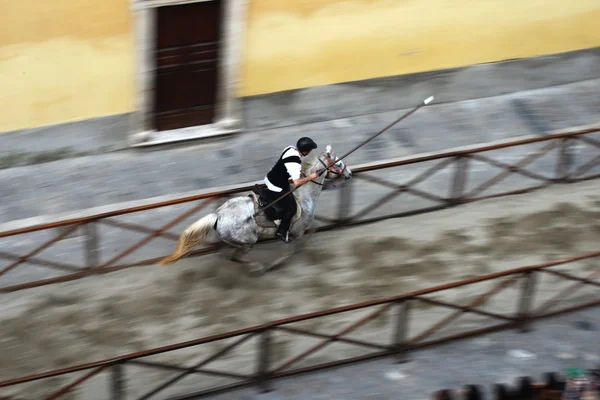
[[333, 168]]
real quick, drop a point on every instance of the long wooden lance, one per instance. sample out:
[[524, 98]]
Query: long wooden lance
[[321, 171]]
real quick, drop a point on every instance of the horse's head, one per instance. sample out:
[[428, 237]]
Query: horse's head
[[338, 172]]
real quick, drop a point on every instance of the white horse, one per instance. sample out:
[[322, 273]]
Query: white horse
[[236, 223]]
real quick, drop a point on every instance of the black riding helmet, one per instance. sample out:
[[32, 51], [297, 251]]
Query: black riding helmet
[[305, 144]]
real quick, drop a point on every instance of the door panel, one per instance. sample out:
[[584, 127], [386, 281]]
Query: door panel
[[187, 55]]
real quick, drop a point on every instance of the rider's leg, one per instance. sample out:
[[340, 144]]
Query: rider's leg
[[289, 210]]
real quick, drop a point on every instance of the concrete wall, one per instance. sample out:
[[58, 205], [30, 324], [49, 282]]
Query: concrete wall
[[283, 113], [64, 60], [348, 99]]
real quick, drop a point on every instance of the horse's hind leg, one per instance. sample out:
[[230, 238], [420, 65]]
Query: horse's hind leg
[[254, 268]]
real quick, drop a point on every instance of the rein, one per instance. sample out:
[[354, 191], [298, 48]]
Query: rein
[[332, 165], [316, 183], [329, 169]]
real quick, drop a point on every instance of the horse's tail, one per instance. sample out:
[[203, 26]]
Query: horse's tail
[[190, 238]]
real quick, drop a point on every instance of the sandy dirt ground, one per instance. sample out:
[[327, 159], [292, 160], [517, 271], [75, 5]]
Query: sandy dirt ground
[[140, 308]]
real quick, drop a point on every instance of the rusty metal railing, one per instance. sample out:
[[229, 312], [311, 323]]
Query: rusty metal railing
[[271, 367], [563, 158]]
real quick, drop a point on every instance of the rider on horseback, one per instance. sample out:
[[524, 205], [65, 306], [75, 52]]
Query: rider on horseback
[[277, 181]]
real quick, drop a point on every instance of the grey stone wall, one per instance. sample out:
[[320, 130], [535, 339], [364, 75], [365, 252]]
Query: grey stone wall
[[319, 104], [372, 96]]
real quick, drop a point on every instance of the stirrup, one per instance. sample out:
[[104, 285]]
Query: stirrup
[[284, 237]]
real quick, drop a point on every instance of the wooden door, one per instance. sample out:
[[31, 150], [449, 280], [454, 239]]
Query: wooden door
[[187, 54]]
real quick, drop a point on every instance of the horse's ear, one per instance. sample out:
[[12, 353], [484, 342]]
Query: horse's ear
[[328, 149]]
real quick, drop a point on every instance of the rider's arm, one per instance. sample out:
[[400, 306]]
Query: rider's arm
[[300, 181], [294, 168]]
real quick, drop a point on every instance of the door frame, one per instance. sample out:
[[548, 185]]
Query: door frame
[[228, 110]]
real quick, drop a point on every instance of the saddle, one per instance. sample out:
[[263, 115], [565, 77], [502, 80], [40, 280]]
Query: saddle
[[271, 218]]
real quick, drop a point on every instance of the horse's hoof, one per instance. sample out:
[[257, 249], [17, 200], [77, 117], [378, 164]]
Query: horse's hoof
[[256, 270]]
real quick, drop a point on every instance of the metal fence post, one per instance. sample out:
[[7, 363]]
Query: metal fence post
[[459, 179], [401, 332], [264, 361], [118, 382], [525, 302], [345, 203], [565, 161], [92, 252]]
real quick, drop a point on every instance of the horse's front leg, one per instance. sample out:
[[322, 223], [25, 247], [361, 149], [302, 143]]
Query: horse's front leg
[[302, 242], [297, 247], [254, 268], [279, 262]]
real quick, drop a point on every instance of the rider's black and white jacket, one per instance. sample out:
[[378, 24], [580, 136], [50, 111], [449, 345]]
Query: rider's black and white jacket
[[287, 167]]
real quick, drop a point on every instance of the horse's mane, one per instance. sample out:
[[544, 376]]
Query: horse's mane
[[309, 162]]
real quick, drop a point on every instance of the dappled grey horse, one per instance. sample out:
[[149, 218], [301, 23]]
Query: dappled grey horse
[[237, 224]]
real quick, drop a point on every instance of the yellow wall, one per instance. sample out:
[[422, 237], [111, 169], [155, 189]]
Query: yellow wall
[[302, 43], [64, 60]]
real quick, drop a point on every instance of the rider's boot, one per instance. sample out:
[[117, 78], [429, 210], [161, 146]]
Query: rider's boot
[[284, 236], [283, 232]]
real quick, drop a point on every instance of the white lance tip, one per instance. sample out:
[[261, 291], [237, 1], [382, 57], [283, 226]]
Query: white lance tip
[[428, 100]]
